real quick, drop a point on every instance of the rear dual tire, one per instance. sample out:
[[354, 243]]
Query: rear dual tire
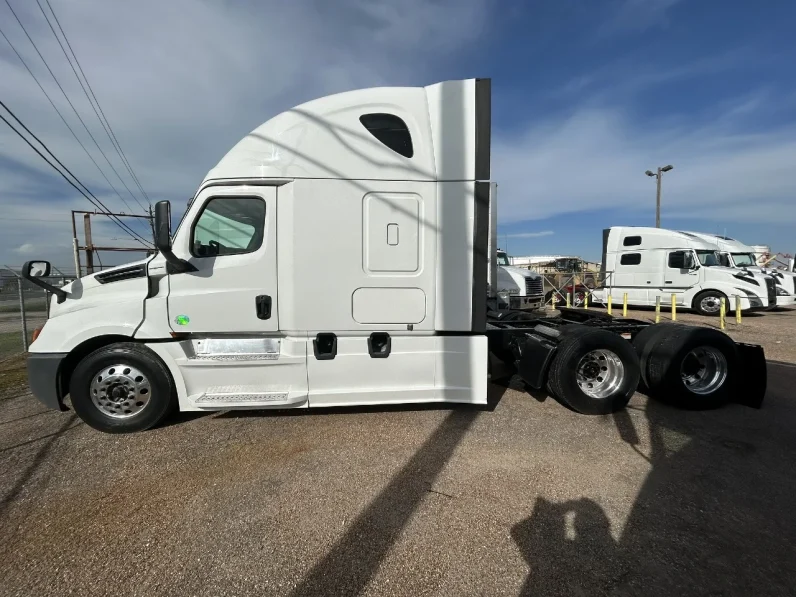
[[690, 367], [594, 371]]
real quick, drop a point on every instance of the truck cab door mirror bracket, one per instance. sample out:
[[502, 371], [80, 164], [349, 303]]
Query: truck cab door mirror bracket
[[174, 265]]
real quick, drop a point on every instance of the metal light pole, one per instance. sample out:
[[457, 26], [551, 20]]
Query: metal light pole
[[661, 170]]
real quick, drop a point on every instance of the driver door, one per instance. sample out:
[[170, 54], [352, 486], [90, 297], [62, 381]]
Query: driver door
[[680, 273], [229, 235]]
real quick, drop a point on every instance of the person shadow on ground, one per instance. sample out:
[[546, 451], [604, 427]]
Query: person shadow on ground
[[716, 514], [569, 548]]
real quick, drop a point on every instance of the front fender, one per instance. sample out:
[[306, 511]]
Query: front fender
[[64, 332]]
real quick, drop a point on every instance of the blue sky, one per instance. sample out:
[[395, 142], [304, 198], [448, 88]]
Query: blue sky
[[587, 95]]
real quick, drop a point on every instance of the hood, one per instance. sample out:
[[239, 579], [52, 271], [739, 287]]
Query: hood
[[506, 282], [121, 283], [518, 271]]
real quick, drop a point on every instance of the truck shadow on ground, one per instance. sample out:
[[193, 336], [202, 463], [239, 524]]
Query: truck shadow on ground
[[13, 492], [354, 559], [716, 515]]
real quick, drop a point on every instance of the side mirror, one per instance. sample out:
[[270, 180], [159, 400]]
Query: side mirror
[[33, 271], [163, 226], [174, 265], [689, 262], [36, 269]]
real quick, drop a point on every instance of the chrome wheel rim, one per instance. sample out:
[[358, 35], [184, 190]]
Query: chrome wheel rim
[[120, 391], [710, 304], [704, 370], [600, 373]]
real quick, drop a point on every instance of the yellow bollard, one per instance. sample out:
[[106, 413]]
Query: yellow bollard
[[722, 315], [737, 309], [624, 305], [674, 307], [585, 300], [609, 304], [568, 300], [657, 309]]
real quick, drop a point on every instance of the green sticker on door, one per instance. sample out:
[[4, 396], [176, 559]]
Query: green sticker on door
[[182, 320]]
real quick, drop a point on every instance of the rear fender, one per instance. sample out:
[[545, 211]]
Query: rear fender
[[534, 355], [751, 387]]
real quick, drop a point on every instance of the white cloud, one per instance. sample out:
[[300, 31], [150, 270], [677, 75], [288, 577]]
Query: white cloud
[[182, 81], [596, 159], [637, 16], [539, 234], [25, 249]]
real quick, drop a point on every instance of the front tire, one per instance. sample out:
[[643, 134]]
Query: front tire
[[594, 371], [122, 388], [709, 303]]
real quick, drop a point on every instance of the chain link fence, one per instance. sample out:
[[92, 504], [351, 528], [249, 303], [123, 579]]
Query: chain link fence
[[23, 308]]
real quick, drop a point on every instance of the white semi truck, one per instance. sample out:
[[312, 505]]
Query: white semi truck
[[733, 253], [518, 288], [647, 263], [338, 255]]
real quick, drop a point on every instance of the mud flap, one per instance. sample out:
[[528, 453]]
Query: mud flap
[[533, 359], [751, 387]]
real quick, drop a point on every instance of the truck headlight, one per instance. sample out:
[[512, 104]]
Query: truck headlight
[[503, 295], [781, 291]]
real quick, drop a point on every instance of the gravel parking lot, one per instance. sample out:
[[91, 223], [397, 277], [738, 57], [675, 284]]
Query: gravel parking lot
[[526, 498]]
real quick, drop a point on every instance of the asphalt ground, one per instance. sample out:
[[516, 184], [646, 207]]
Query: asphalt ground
[[525, 498]]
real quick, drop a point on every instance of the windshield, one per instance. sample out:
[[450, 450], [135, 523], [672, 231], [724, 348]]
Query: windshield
[[502, 258], [743, 259], [707, 258]]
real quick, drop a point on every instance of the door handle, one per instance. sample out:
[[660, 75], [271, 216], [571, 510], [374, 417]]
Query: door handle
[[263, 306], [669, 282]]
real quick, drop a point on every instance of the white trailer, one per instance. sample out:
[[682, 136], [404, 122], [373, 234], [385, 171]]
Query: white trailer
[[647, 263], [338, 255]]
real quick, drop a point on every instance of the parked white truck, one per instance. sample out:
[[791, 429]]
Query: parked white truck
[[733, 253], [518, 288], [338, 255], [647, 263]]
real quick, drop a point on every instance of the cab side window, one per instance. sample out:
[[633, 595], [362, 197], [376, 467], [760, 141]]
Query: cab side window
[[229, 226]]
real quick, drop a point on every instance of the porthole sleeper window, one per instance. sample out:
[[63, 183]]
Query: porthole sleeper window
[[391, 131]]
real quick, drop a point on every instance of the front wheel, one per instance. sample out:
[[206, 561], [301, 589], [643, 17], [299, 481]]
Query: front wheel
[[709, 302], [121, 388], [595, 372]]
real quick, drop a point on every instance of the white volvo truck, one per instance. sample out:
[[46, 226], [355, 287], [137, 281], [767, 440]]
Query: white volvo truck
[[338, 255], [733, 253], [647, 263]]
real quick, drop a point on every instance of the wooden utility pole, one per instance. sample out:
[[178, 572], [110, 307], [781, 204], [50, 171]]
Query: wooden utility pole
[[89, 244]]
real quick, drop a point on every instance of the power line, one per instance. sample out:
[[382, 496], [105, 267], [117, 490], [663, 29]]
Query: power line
[[95, 201], [106, 125], [35, 47], [57, 111], [106, 212], [126, 228]]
